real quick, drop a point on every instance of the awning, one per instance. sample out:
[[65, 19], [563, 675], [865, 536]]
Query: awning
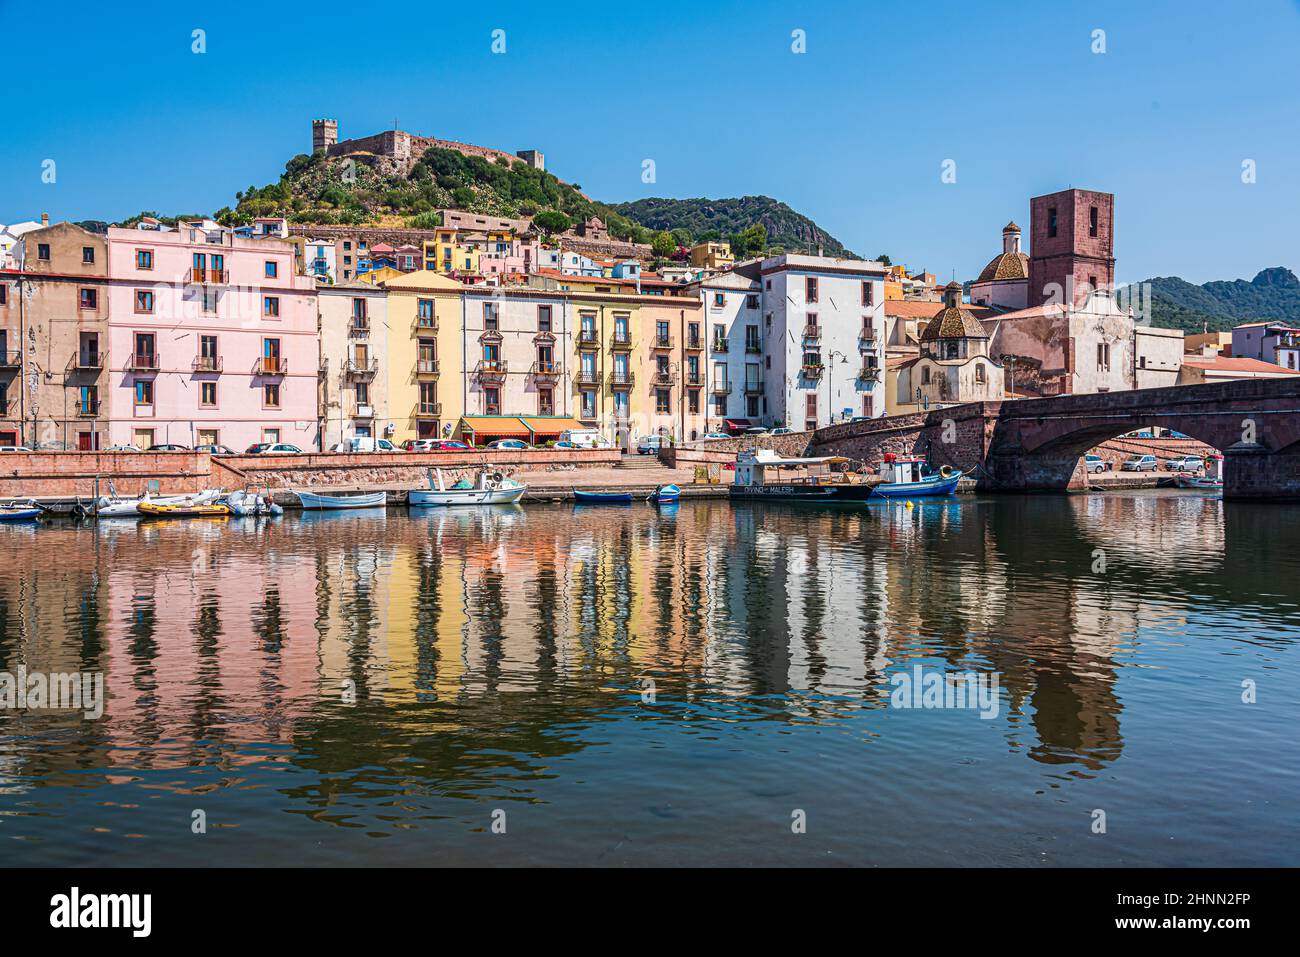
[[549, 426], [497, 426]]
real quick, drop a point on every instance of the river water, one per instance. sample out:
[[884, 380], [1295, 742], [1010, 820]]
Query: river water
[[710, 684]]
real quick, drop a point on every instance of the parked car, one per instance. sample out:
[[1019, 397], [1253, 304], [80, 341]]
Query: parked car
[[169, 447], [19, 448], [652, 444], [273, 448], [1095, 463], [448, 445], [418, 445], [756, 430], [585, 438], [1186, 463], [716, 435], [511, 444], [123, 448], [783, 430], [565, 445], [215, 449], [1140, 463]]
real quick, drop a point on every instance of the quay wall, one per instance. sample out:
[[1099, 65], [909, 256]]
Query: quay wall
[[69, 474]]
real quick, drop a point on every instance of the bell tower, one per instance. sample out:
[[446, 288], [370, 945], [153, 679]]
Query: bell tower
[[1073, 246]]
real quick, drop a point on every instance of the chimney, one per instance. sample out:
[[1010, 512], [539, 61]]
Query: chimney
[[45, 219], [819, 250]]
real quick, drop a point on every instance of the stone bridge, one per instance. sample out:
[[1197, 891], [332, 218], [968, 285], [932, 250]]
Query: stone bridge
[[1037, 444]]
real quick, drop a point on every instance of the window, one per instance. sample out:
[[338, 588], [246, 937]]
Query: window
[[663, 404], [207, 394], [89, 299], [1103, 356], [810, 289], [752, 343], [867, 406], [88, 254], [543, 318], [347, 247], [144, 259], [43, 252], [588, 404], [490, 316], [363, 393], [271, 306], [1092, 284], [693, 401], [868, 293], [925, 375], [424, 312], [979, 372], [1142, 362], [810, 411], [143, 300], [144, 391], [428, 398], [272, 269], [868, 331], [1051, 221], [4, 293], [751, 302], [209, 437], [210, 301], [359, 313], [545, 402], [207, 354], [719, 299], [492, 399], [720, 405], [271, 395], [1092, 221]]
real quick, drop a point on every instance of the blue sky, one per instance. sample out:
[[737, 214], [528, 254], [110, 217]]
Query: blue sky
[[852, 132]]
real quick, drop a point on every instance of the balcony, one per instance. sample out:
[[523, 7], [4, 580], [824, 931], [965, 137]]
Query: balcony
[[694, 379], [588, 338], [812, 333], [143, 362], [364, 412], [87, 409], [812, 370], [622, 380], [270, 366], [693, 344], [546, 370], [869, 374], [206, 364], [621, 341], [662, 342], [209, 277], [753, 388], [663, 376], [427, 322], [360, 368], [867, 340], [359, 327], [10, 360], [426, 366], [586, 377], [720, 345], [753, 346], [86, 362], [427, 409], [721, 388], [491, 370]]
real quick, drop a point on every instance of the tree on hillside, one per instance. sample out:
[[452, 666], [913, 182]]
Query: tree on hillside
[[551, 221], [883, 258], [663, 245]]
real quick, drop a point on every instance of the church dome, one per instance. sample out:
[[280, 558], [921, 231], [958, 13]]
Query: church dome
[[952, 321], [1013, 265]]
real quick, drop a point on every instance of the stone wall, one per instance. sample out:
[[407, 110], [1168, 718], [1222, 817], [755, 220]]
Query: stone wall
[[68, 474]]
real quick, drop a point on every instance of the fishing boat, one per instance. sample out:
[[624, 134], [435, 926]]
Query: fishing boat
[[113, 505], [1212, 479], [665, 495], [15, 511], [310, 500], [488, 488], [905, 478], [758, 477], [601, 498], [247, 503], [185, 510]]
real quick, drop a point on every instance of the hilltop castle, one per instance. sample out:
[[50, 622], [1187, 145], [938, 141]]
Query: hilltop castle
[[402, 150]]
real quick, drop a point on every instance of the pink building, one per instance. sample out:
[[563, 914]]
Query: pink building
[[212, 340], [517, 255]]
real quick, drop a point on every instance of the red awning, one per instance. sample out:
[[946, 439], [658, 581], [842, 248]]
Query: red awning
[[736, 424]]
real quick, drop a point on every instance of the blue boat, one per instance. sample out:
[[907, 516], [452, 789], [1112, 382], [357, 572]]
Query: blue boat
[[20, 511], [904, 479], [602, 498], [665, 495]]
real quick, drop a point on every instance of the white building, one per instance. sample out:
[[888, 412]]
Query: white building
[[734, 361], [1273, 342], [319, 259], [823, 334]]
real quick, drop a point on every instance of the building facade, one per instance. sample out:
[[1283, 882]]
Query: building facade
[[354, 363], [1274, 342], [212, 339], [426, 314]]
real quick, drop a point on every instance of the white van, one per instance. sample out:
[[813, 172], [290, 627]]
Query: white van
[[652, 444], [585, 438], [365, 443]]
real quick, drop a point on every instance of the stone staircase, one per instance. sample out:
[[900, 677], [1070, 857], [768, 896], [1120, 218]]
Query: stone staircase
[[638, 462]]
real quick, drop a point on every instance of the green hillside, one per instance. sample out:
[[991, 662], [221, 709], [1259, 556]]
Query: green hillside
[[725, 218], [1274, 294]]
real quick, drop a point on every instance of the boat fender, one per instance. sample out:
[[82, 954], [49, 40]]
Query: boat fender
[[945, 471]]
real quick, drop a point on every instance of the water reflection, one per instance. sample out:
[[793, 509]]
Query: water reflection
[[395, 661]]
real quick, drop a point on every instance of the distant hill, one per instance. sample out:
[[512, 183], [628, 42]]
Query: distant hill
[[724, 218], [1274, 294]]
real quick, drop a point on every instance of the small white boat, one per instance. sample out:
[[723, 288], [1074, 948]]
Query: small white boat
[[16, 511], [311, 500], [488, 488], [113, 505], [245, 504]]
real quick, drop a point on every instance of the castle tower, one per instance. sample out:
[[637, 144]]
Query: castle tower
[[1073, 246], [324, 134]]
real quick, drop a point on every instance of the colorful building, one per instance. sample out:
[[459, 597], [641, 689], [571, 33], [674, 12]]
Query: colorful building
[[354, 363], [212, 339], [425, 358]]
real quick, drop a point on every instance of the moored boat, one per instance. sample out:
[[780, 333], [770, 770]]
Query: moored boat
[[16, 511], [665, 494], [904, 478], [116, 506], [183, 510], [310, 500], [488, 488], [601, 498], [1211, 479], [246, 503]]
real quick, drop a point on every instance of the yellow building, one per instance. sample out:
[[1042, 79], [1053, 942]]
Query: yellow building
[[424, 339], [712, 255], [451, 252]]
